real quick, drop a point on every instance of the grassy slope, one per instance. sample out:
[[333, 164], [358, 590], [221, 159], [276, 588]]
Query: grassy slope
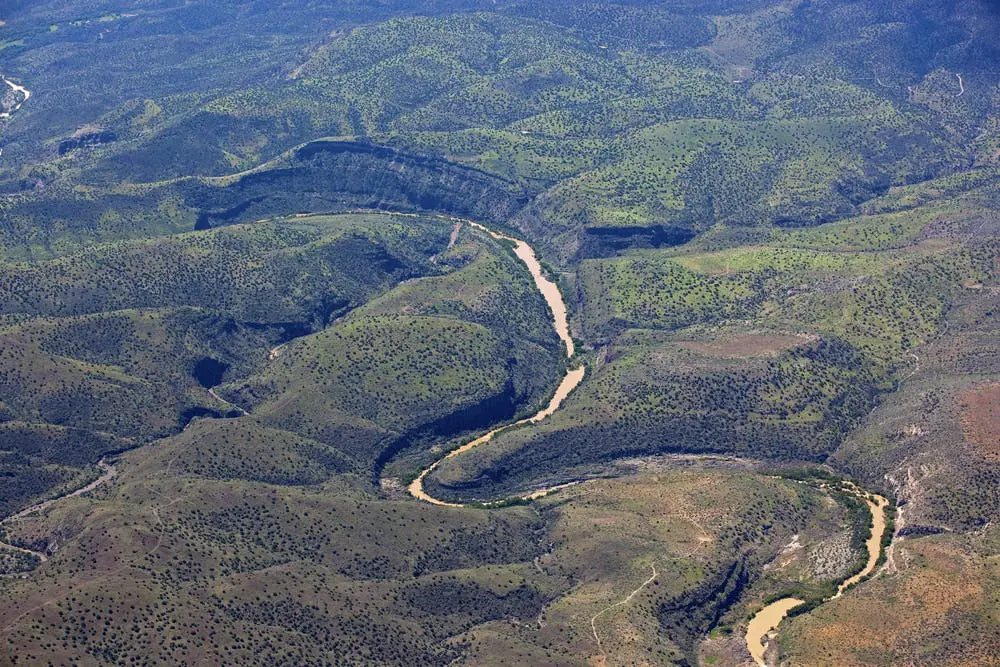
[[432, 358], [414, 368], [638, 136], [941, 611], [101, 362]]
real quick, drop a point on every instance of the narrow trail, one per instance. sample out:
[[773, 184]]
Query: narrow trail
[[553, 297], [275, 352], [454, 235], [622, 603], [878, 80], [109, 472], [37, 554], [916, 368]]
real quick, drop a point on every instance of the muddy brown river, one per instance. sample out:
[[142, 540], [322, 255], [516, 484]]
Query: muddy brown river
[[17, 89], [553, 297], [764, 625]]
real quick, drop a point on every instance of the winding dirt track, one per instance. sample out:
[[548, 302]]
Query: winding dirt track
[[271, 356], [38, 554], [622, 603], [108, 472], [553, 297]]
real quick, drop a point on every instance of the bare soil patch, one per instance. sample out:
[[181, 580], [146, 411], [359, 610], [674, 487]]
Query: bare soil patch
[[739, 346], [981, 419]]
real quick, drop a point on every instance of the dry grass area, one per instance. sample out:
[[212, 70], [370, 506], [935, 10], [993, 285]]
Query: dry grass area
[[981, 420], [636, 548], [172, 563], [939, 608], [937, 601], [739, 345]]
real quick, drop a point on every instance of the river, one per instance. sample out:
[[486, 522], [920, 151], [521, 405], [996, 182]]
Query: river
[[574, 376], [877, 506], [763, 626], [17, 89], [549, 290], [764, 621]]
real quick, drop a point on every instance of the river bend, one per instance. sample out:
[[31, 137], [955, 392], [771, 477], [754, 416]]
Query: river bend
[[763, 626], [574, 376], [17, 89]]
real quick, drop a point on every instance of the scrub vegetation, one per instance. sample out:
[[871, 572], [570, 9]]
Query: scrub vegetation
[[240, 293]]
